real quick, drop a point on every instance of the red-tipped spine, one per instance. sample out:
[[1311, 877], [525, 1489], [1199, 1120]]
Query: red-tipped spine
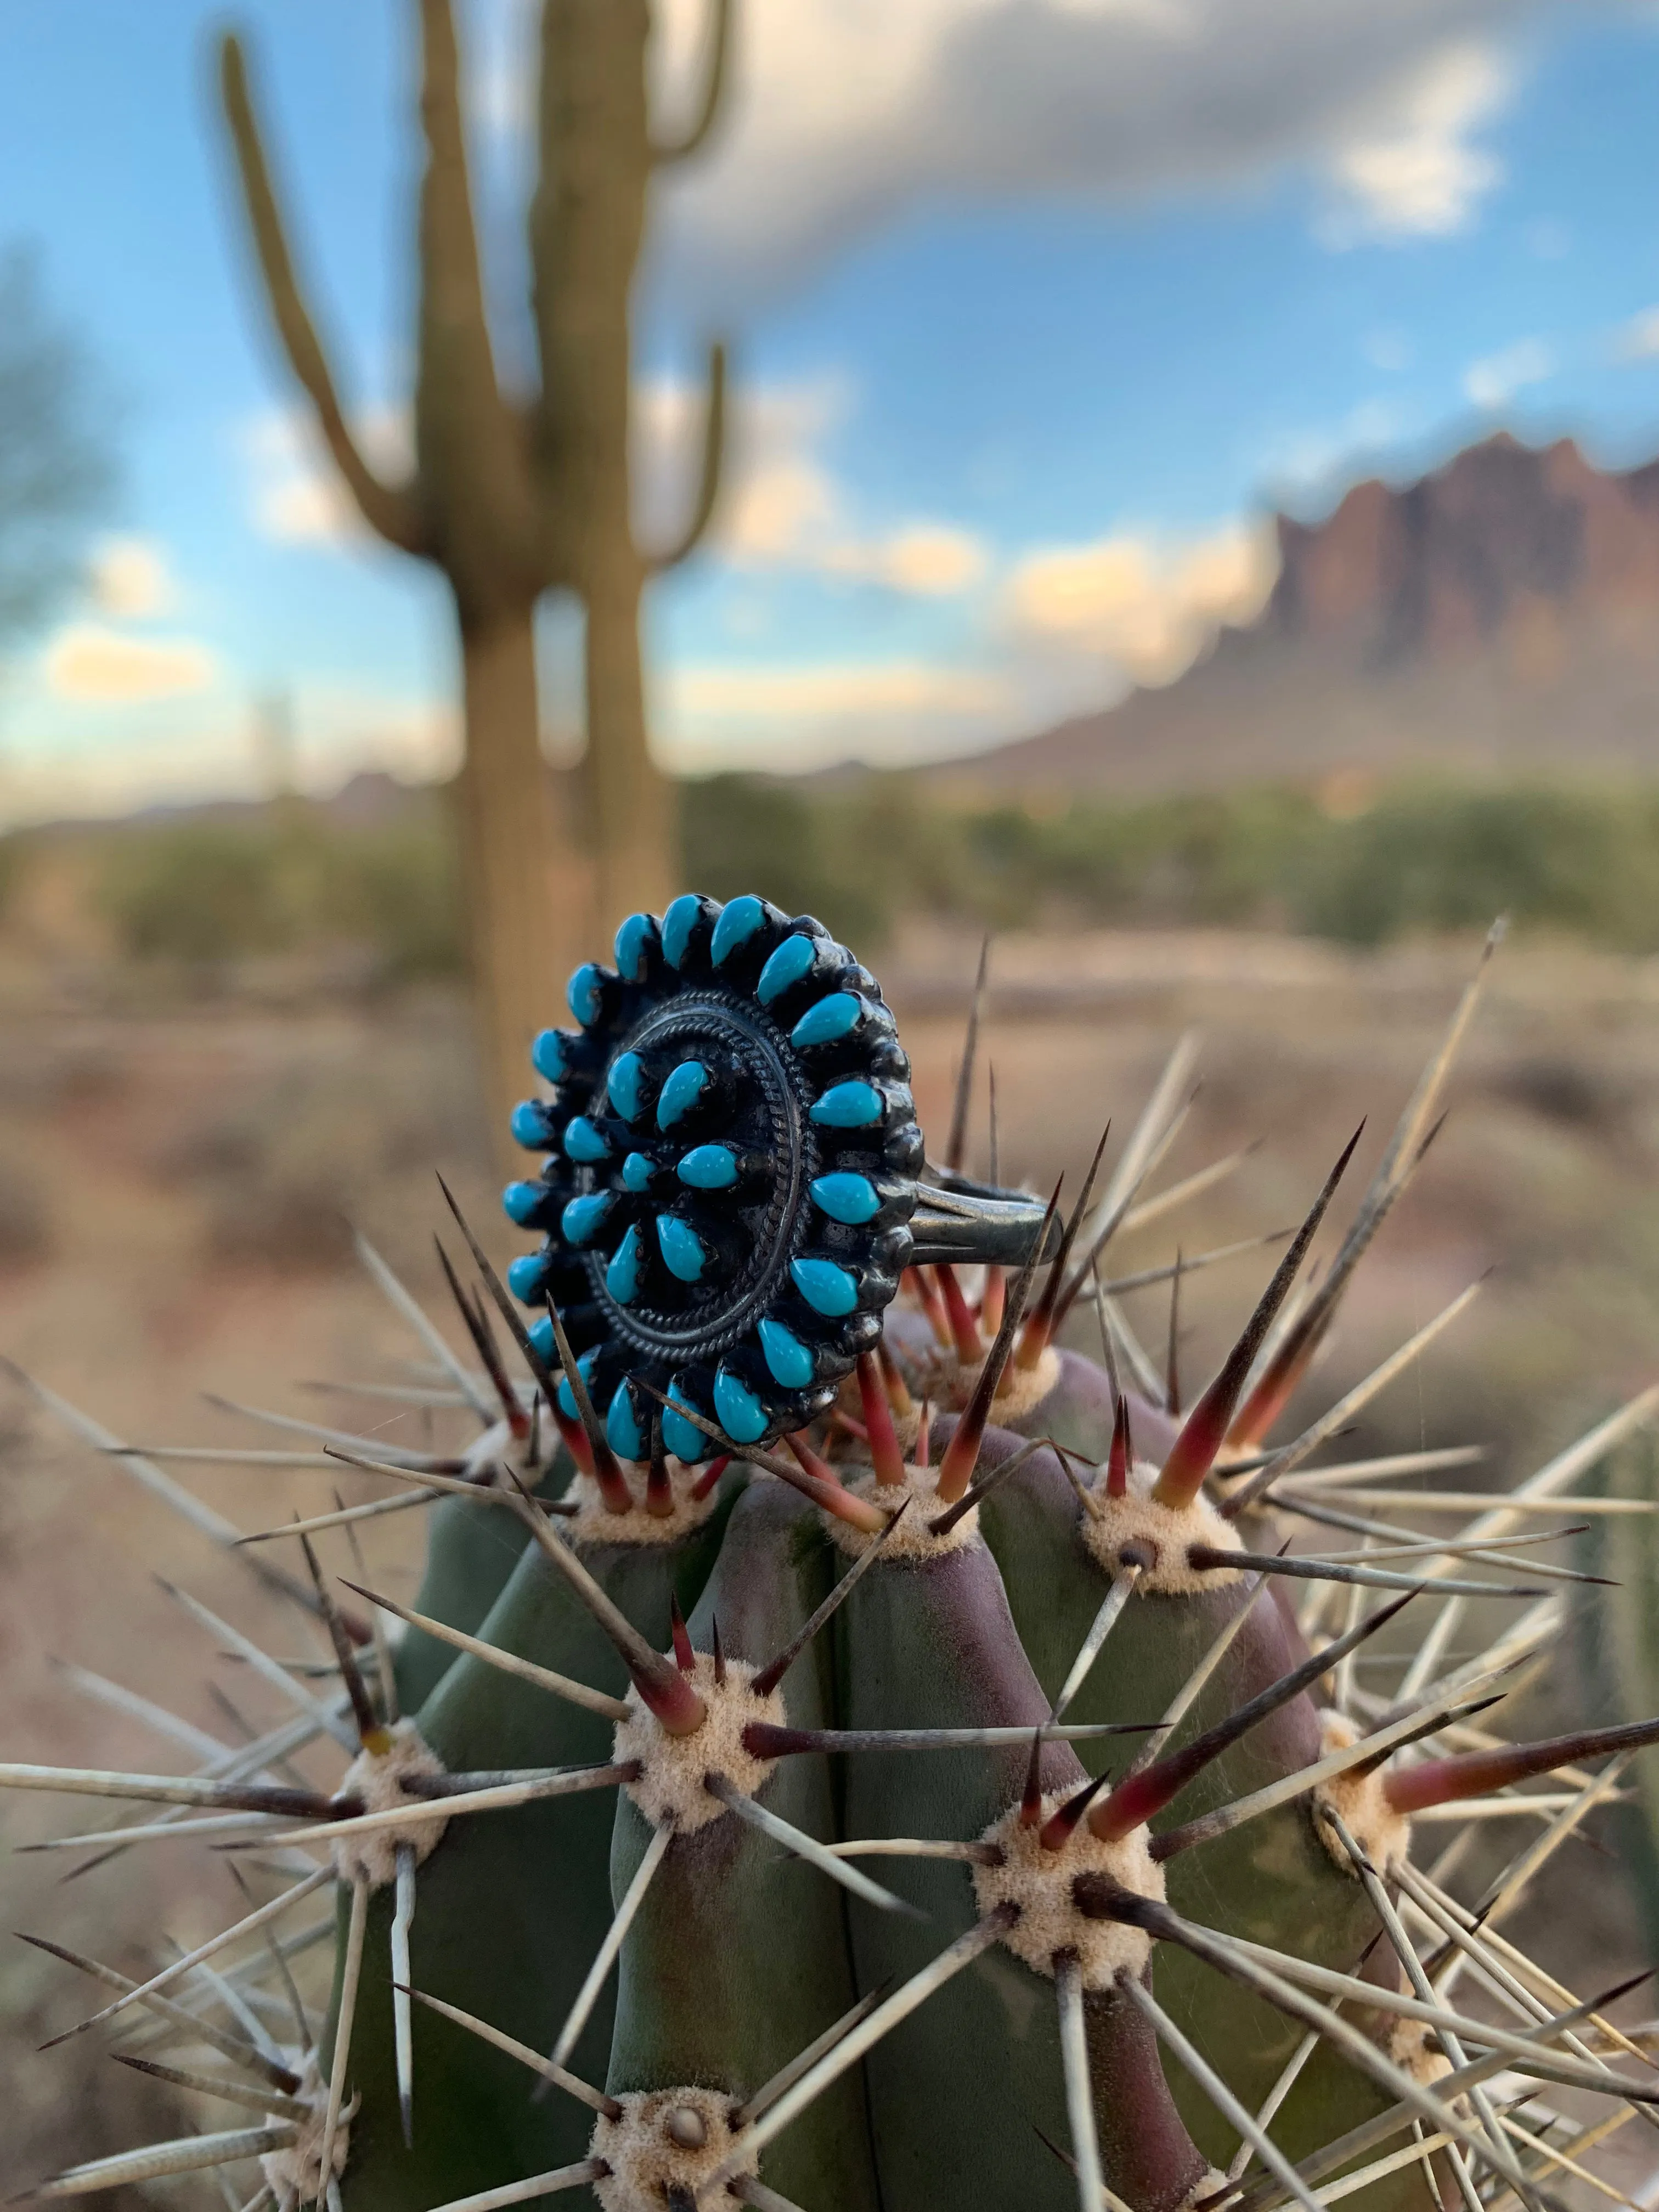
[[1047, 1316], [677, 1708], [684, 1657], [924, 1432], [719, 1649], [961, 1454], [898, 1391], [886, 1455], [574, 1438], [1138, 1797], [1475, 1773], [816, 1479], [659, 1490], [965, 1328], [613, 1488], [1058, 1829], [1193, 1451], [992, 1301], [1121, 1457], [477, 1328], [710, 1475], [922, 1287]]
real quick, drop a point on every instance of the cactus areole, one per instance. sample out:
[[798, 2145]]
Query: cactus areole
[[806, 1781]]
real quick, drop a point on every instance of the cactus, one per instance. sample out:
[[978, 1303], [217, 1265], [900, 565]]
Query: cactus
[[828, 1792], [511, 498]]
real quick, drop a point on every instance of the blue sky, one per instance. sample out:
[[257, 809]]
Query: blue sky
[[1038, 305]]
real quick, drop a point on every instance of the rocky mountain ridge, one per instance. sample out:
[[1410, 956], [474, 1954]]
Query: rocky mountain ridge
[[1500, 615]]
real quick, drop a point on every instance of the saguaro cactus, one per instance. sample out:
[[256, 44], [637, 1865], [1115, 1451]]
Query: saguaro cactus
[[514, 495], [921, 1815]]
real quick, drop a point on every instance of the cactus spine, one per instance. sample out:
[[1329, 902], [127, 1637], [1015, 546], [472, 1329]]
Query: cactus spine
[[912, 1812], [511, 498]]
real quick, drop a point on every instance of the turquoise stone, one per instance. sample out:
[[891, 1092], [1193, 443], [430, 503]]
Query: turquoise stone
[[787, 1357], [529, 1125], [584, 1143], [520, 1200], [526, 1275], [622, 1277], [828, 1289], [637, 1171], [621, 1426], [677, 925], [683, 1438], [830, 1018], [548, 1056], [581, 1218], [737, 925], [582, 992], [709, 1167], [683, 1250], [584, 1366], [681, 1092], [633, 941], [853, 1198], [848, 1106], [739, 1411], [622, 1086], [793, 959]]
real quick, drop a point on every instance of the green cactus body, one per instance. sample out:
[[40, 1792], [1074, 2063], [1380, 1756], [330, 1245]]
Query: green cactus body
[[933, 1644], [739, 1955], [704, 1864], [513, 1951], [470, 1559]]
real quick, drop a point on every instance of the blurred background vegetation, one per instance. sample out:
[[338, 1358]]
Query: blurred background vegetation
[[376, 903]]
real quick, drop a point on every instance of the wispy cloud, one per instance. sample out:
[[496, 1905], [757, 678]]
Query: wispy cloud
[[784, 507], [294, 492], [93, 666], [1411, 168], [796, 715], [129, 580], [1639, 339], [1492, 382], [848, 112], [1143, 606]]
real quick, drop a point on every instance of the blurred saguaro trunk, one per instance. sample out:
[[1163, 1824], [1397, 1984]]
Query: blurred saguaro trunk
[[512, 495]]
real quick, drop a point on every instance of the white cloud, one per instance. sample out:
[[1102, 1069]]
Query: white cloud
[[846, 112], [97, 667], [798, 715], [1639, 339], [782, 508], [1390, 350], [1146, 606], [1410, 169], [129, 579], [1493, 382], [296, 493], [1311, 459]]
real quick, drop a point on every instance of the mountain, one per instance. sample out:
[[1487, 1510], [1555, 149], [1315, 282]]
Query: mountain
[[1501, 615]]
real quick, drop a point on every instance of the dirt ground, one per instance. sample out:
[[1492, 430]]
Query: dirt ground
[[174, 1185]]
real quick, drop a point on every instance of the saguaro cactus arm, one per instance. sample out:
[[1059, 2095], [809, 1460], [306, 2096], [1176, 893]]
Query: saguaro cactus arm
[[471, 443], [394, 510], [708, 481], [691, 140]]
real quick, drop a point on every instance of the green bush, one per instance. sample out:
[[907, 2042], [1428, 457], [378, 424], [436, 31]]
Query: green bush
[[209, 891], [1428, 857]]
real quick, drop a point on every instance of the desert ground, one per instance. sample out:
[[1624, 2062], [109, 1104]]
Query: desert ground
[[176, 1183]]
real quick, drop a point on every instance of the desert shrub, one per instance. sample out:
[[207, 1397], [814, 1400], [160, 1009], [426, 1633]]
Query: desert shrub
[[206, 891]]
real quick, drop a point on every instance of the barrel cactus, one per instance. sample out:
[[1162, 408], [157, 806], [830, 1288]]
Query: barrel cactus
[[847, 1752]]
